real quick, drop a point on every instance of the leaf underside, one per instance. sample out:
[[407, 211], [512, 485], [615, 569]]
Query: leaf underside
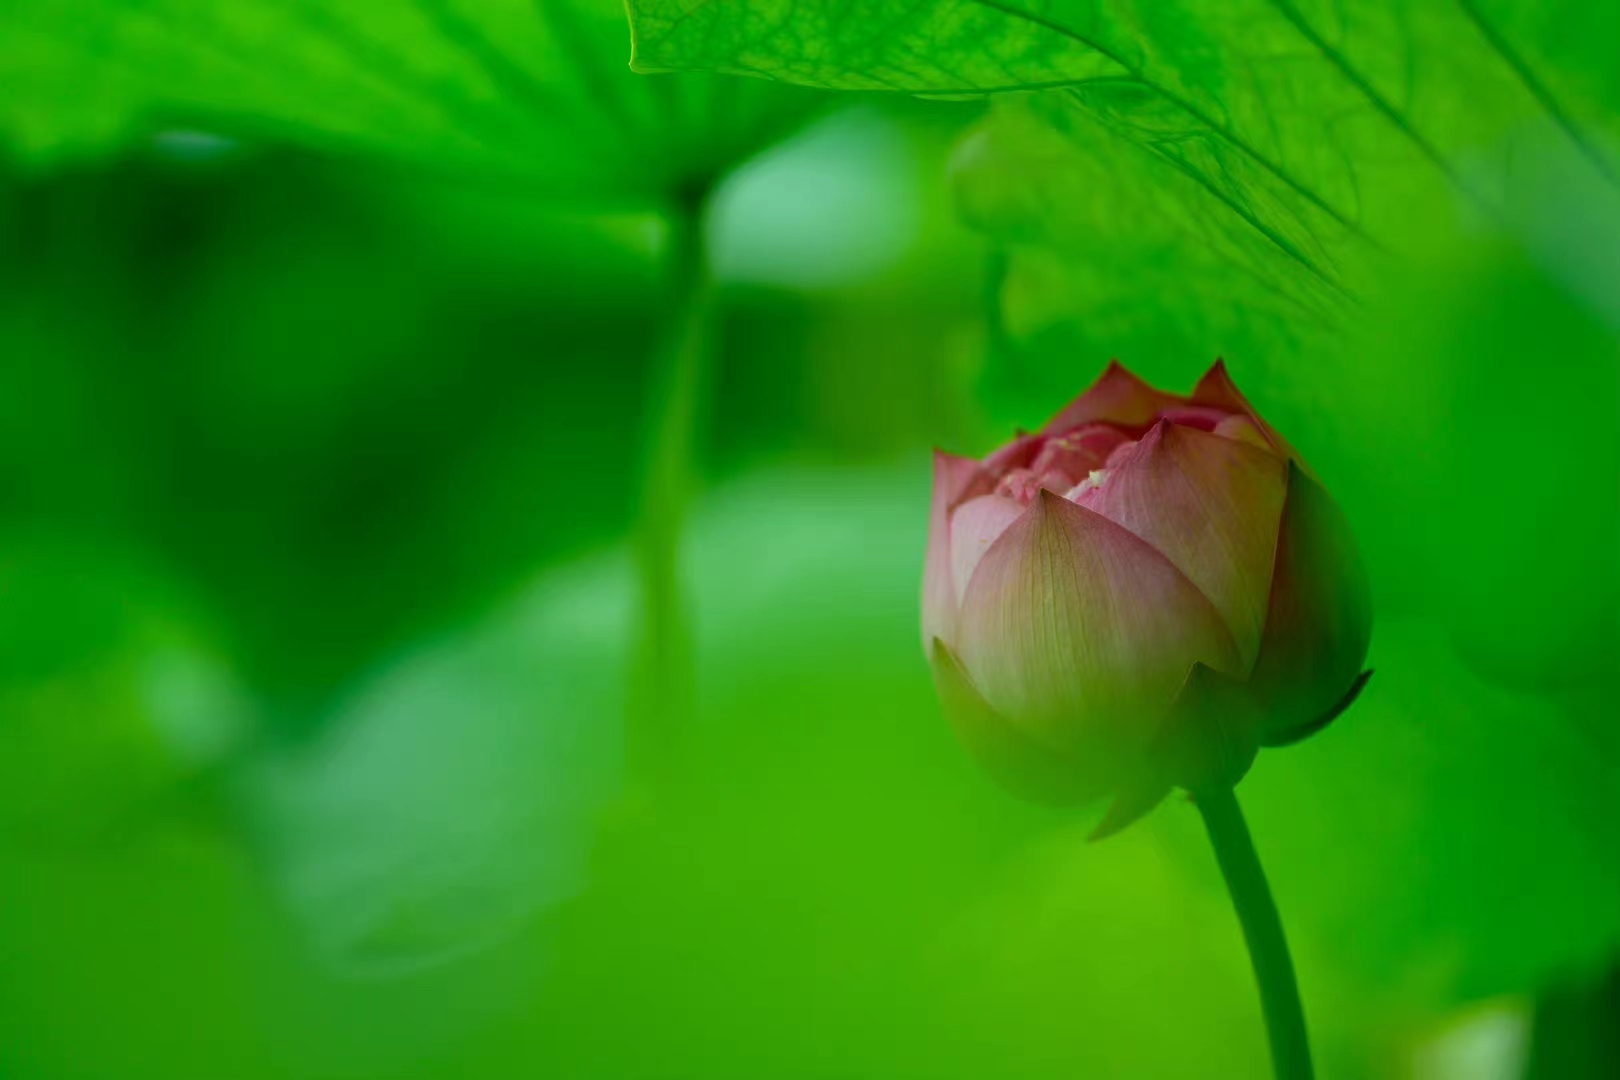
[[1259, 159]]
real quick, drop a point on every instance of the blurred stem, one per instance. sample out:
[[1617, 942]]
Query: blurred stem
[[662, 685], [1262, 930]]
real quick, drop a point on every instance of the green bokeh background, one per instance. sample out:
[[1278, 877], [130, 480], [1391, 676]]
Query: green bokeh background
[[322, 415]]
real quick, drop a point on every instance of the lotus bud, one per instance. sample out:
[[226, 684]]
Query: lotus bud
[[1140, 596]]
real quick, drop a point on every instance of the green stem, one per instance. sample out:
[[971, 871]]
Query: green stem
[[662, 688], [1268, 949]]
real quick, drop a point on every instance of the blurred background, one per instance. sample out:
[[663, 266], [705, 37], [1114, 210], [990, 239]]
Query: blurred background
[[461, 517]]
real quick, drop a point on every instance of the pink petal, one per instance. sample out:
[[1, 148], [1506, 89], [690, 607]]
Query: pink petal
[[1212, 506], [1013, 759], [1081, 633], [1202, 417], [1076, 453], [1014, 455], [1217, 389], [1117, 397], [1021, 485], [1121, 453], [1319, 616], [953, 476], [975, 525], [1242, 428]]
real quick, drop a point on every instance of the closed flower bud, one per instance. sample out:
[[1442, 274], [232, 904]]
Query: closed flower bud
[[1139, 597]]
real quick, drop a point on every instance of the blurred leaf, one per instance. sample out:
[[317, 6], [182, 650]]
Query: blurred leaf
[[1457, 832], [134, 960], [452, 793], [350, 404], [1492, 335], [107, 701], [338, 406], [537, 91]]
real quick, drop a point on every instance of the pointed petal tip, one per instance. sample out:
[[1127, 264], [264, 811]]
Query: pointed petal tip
[[1127, 809], [1216, 385], [1208, 741], [1116, 369], [1211, 506], [1218, 389], [1046, 504], [1161, 429], [1117, 396], [1152, 442]]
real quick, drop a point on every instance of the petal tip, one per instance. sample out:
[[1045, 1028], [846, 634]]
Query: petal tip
[[1117, 395], [1127, 808], [1045, 503], [1217, 380], [1153, 441]]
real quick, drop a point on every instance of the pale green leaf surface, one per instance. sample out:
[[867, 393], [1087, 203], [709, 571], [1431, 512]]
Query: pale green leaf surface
[[1104, 239]]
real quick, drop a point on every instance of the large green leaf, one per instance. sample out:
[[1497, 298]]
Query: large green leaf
[[1284, 89], [1285, 148], [538, 90]]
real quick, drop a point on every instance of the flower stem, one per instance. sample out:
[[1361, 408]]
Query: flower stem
[[1262, 930], [661, 698]]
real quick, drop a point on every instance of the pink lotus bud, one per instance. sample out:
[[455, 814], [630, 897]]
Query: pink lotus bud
[[1140, 596]]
